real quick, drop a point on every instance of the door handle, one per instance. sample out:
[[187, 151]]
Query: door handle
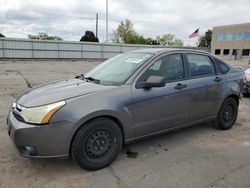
[[218, 79], [180, 86]]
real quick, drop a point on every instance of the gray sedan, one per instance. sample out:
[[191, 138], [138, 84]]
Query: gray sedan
[[128, 97]]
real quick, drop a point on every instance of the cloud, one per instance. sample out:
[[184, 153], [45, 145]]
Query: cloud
[[70, 18]]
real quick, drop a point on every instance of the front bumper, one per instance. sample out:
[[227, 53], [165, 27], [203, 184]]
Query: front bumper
[[51, 140], [246, 88]]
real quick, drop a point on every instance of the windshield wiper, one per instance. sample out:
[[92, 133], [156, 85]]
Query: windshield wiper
[[88, 78], [92, 79], [81, 76]]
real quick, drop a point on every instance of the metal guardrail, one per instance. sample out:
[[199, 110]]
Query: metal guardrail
[[13, 48]]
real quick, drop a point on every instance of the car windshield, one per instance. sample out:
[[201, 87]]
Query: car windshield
[[118, 69]]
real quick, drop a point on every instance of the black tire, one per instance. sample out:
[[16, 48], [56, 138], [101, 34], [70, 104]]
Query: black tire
[[227, 114], [96, 144]]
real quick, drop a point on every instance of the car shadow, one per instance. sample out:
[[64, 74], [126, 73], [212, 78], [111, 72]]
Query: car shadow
[[183, 135], [132, 151]]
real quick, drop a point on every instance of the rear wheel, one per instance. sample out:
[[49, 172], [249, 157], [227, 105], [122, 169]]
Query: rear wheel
[[227, 114], [96, 144]]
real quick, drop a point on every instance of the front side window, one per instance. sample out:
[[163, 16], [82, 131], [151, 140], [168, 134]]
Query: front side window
[[169, 67], [200, 65], [117, 70]]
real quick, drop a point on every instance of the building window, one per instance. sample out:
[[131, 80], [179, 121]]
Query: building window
[[247, 35], [245, 52], [226, 52], [234, 52], [238, 36], [217, 51], [229, 36], [220, 37]]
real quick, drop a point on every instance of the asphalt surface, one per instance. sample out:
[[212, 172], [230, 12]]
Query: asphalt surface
[[199, 156]]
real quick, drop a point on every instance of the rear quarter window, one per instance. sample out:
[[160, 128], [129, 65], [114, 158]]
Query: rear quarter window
[[224, 68]]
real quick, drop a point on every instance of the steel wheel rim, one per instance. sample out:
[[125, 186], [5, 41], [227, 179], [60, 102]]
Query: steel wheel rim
[[98, 144], [228, 113]]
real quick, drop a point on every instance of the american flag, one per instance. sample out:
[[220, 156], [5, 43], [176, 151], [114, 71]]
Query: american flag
[[194, 34]]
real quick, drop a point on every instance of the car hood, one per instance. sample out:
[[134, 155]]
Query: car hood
[[59, 90]]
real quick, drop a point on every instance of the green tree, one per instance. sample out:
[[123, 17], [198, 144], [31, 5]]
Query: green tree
[[178, 42], [89, 37], [1, 35], [151, 41], [169, 40], [125, 33], [44, 36], [205, 40]]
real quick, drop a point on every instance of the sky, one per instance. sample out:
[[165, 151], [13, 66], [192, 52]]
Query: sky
[[70, 19]]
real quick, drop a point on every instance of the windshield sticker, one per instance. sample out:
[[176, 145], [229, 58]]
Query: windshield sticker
[[133, 60]]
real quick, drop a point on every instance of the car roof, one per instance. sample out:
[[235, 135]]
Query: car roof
[[163, 50]]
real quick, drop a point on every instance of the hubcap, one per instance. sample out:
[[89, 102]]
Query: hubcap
[[228, 113], [98, 144]]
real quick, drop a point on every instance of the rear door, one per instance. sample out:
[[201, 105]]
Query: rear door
[[206, 85]]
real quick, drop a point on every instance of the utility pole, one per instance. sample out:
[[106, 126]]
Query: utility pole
[[96, 26], [107, 39]]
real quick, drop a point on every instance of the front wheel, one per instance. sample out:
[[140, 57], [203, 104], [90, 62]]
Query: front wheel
[[227, 114], [96, 144]]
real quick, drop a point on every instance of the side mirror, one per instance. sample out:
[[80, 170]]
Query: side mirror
[[152, 81]]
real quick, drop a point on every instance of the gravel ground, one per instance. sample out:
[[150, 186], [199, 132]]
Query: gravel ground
[[199, 156]]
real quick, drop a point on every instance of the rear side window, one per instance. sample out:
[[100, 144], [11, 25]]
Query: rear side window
[[224, 68], [200, 65]]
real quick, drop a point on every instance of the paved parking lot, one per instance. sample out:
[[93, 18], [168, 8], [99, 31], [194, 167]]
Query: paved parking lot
[[199, 156]]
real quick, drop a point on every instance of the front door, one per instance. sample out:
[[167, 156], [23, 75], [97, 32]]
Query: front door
[[162, 108]]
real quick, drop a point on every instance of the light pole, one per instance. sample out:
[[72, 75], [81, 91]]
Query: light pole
[[107, 19], [96, 26]]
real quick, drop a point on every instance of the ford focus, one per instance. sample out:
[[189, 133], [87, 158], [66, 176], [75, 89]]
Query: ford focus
[[131, 96]]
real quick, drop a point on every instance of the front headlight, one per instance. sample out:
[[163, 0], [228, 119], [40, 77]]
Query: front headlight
[[41, 114]]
